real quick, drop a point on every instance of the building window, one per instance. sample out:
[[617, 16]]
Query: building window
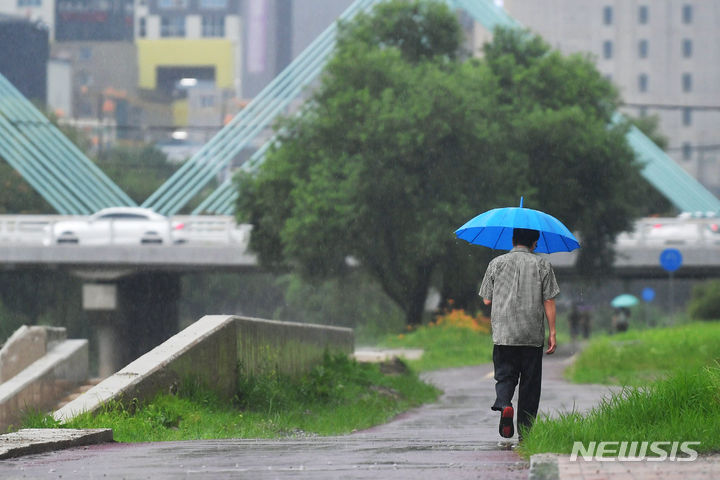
[[85, 53], [172, 4], [214, 4], [687, 14], [213, 26], [687, 82], [172, 26], [687, 116], [643, 48], [142, 27], [607, 49], [687, 48], [686, 151], [29, 3], [84, 78], [207, 101], [642, 82], [608, 15], [643, 14]]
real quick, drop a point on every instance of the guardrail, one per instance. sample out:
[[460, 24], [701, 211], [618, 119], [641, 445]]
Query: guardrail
[[198, 229]]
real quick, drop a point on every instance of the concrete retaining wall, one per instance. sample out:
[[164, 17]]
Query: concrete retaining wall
[[290, 348], [25, 346], [44, 382], [210, 350]]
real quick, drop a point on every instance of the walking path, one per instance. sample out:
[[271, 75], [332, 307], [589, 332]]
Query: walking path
[[455, 438]]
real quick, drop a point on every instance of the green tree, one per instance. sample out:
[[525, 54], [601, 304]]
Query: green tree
[[705, 301], [137, 170], [581, 168], [397, 149], [420, 30], [16, 194]]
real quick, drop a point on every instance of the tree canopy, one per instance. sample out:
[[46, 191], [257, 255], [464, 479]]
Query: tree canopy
[[404, 141]]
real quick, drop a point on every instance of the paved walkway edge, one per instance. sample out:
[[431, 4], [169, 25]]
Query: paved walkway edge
[[40, 440], [544, 466]]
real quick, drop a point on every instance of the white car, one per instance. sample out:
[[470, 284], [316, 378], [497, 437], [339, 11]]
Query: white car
[[120, 226]]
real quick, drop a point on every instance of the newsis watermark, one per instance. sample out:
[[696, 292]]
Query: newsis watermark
[[635, 451]]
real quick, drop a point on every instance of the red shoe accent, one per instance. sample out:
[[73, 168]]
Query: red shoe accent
[[507, 429]]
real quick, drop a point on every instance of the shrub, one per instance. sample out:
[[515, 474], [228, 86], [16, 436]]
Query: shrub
[[462, 319], [454, 339], [705, 301]]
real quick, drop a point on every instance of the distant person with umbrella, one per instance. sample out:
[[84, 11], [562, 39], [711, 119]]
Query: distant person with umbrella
[[574, 321], [620, 321], [521, 288], [579, 320]]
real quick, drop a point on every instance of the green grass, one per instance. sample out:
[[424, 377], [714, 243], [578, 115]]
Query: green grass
[[683, 407], [444, 346], [637, 357], [448, 346], [671, 392], [336, 397]]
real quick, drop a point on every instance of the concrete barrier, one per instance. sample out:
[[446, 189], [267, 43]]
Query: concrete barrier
[[210, 350], [44, 382], [25, 346]]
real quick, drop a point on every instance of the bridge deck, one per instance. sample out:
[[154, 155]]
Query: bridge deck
[[136, 258]]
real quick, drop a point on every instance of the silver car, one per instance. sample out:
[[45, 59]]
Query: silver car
[[120, 226]]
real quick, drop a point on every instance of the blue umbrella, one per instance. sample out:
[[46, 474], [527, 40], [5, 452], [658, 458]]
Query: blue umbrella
[[494, 229]]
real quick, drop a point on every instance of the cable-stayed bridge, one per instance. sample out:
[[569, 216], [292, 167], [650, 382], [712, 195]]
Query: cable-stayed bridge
[[72, 184]]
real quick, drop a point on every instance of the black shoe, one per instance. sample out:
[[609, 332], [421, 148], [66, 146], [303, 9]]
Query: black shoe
[[507, 429]]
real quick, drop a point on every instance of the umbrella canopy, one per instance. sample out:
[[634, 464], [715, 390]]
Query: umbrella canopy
[[494, 229], [624, 300]]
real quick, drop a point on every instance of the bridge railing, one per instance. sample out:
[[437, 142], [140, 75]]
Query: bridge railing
[[222, 230], [27, 229], [198, 229], [672, 231], [214, 229]]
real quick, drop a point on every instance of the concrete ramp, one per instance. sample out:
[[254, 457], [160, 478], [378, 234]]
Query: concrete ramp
[[211, 350]]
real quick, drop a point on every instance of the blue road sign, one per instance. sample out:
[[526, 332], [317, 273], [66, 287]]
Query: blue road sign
[[670, 259], [648, 294]]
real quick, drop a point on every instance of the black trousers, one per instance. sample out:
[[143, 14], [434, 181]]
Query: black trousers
[[511, 363]]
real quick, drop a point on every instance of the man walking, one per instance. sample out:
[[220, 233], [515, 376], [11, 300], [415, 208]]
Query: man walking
[[521, 288]]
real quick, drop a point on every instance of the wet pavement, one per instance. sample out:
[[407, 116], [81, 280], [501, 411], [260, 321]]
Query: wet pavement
[[455, 438]]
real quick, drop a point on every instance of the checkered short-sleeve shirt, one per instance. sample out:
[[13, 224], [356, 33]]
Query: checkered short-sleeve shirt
[[518, 283]]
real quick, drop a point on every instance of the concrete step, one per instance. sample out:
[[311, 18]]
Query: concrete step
[[77, 392]]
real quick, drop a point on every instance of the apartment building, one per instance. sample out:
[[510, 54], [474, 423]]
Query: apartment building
[[663, 56]]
